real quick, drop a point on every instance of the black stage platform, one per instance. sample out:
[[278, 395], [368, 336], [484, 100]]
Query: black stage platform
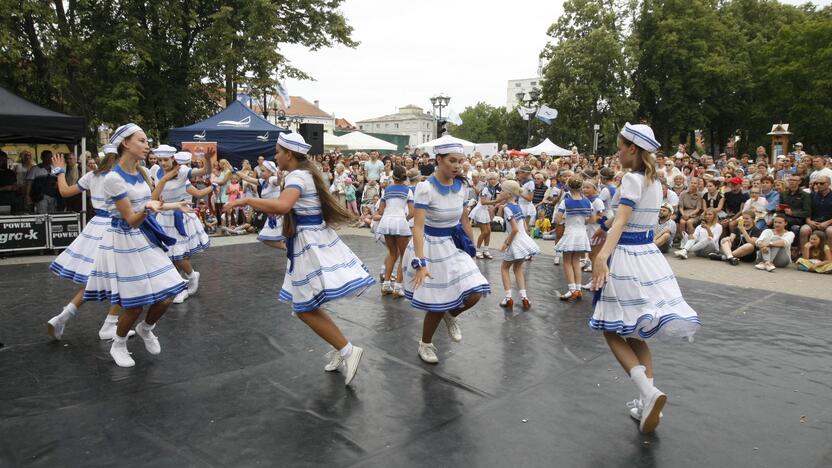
[[240, 382]]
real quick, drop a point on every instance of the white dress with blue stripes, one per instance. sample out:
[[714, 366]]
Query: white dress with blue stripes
[[576, 213], [321, 266], [599, 209], [129, 270], [195, 239], [480, 213], [273, 229], [641, 298], [522, 246], [525, 205], [397, 199], [75, 262], [455, 275]]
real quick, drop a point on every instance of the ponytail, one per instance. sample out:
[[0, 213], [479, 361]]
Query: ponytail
[[331, 210]]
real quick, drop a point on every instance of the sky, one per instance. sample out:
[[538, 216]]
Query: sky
[[412, 50]]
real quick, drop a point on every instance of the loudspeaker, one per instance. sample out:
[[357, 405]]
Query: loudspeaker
[[314, 135]]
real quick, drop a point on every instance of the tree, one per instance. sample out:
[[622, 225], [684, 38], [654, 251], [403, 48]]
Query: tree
[[587, 77], [480, 123]]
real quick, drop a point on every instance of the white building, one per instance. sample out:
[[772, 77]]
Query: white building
[[410, 120], [523, 85]]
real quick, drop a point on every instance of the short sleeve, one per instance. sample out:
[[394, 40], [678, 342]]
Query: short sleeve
[[114, 186], [294, 180], [422, 197], [85, 180], [631, 190], [562, 206], [410, 198], [529, 186], [184, 172], [485, 193]]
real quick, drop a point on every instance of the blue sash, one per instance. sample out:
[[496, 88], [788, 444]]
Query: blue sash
[[102, 213], [300, 220], [150, 228], [636, 238], [272, 221], [179, 223], [458, 234]]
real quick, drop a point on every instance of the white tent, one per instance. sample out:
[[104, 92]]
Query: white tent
[[546, 146], [362, 141], [333, 141], [466, 145]]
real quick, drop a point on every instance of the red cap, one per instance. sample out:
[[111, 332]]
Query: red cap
[[735, 180]]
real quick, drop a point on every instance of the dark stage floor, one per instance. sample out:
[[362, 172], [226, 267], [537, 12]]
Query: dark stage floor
[[240, 382]]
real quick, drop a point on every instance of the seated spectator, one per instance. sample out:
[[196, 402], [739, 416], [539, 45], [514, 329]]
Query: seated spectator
[[794, 204], [774, 245], [734, 200], [820, 210], [816, 255], [670, 197], [665, 230], [371, 192], [758, 205], [542, 225], [705, 239], [772, 196], [741, 244], [690, 207]]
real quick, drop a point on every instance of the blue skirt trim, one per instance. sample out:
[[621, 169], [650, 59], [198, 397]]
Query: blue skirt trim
[[327, 295], [621, 329], [68, 274], [139, 301], [483, 289]]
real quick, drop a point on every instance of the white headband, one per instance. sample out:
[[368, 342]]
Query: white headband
[[164, 151], [110, 148], [449, 148], [123, 133], [271, 166], [293, 142], [182, 157], [642, 136]]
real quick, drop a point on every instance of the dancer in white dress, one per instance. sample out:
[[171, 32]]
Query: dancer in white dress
[[482, 214], [321, 267], [518, 246], [575, 211], [590, 192], [395, 208], [75, 262], [131, 268], [441, 277], [636, 295], [172, 177], [269, 182]]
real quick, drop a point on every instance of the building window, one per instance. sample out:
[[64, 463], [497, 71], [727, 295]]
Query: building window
[[517, 85], [397, 125], [361, 127], [533, 83]]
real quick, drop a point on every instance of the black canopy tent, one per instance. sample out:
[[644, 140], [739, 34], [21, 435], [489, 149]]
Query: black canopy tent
[[24, 122]]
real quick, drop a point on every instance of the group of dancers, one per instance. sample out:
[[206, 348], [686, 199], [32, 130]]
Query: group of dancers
[[136, 251]]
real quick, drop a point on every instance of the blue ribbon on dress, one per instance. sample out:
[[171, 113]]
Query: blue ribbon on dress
[[636, 238], [300, 220], [272, 222], [458, 234], [179, 223], [150, 228], [102, 213]]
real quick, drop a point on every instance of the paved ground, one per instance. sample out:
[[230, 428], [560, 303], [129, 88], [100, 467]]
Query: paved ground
[[240, 382]]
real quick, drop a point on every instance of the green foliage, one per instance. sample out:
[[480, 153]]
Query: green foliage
[[484, 123], [160, 64]]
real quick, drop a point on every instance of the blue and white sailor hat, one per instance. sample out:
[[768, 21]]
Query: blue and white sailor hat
[[110, 148], [293, 142], [164, 151], [183, 157], [124, 132], [642, 136], [270, 166], [448, 148]]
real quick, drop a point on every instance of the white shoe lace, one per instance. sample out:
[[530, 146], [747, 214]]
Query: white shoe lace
[[334, 358], [635, 404]]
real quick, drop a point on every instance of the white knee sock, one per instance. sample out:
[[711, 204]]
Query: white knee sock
[[508, 293], [522, 293], [346, 350], [68, 312], [639, 378]]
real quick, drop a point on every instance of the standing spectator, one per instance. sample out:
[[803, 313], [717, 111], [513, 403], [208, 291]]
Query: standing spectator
[[73, 173], [426, 167], [820, 211], [21, 170], [42, 186], [373, 167], [741, 244], [798, 151], [794, 204], [690, 207], [259, 168], [8, 186], [220, 176], [774, 245]]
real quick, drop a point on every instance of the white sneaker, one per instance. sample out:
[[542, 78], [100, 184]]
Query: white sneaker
[[427, 351], [150, 340], [760, 266], [587, 286], [557, 259], [636, 407], [682, 253], [652, 409], [108, 331], [55, 327], [351, 364], [120, 354], [386, 288], [487, 255], [180, 298], [454, 331], [334, 361], [480, 255], [193, 283], [398, 290]]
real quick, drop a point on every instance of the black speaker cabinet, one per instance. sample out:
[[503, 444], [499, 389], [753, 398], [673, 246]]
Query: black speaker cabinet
[[314, 135]]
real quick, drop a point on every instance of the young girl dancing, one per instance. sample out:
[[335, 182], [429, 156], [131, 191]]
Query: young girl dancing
[[482, 214], [442, 278], [321, 267], [173, 184], [590, 191], [131, 268], [636, 294], [393, 212], [576, 212], [518, 246], [75, 262], [272, 232]]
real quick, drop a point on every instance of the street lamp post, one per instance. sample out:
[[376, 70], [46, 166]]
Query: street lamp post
[[532, 103], [439, 102]]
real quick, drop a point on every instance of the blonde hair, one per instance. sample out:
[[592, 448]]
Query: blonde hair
[[716, 217], [644, 161], [512, 187]]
